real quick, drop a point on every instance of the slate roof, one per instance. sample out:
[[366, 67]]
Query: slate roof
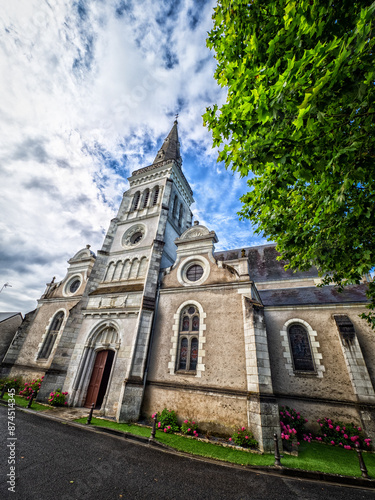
[[263, 264], [170, 149], [7, 315], [313, 295]]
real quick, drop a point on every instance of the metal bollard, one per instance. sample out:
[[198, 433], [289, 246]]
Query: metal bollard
[[153, 430], [362, 465], [90, 414], [33, 394], [5, 387], [277, 452]]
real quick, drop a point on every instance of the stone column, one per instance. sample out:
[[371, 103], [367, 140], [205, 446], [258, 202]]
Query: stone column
[[358, 373], [262, 408]]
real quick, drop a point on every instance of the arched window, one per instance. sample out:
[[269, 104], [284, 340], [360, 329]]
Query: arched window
[[146, 195], [180, 215], [118, 269], [175, 203], [110, 271], [156, 196], [187, 358], [50, 339], [135, 201], [300, 348]]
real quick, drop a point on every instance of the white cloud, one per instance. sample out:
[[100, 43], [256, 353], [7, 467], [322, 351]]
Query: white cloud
[[89, 91]]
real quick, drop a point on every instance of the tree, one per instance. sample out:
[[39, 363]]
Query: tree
[[300, 115]]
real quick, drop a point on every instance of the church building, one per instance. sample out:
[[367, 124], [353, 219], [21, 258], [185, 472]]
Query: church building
[[158, 318]]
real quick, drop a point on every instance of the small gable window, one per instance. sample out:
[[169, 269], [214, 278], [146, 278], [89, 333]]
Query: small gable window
[[300, 348], [50, 339], [194, 273], [187, 358]]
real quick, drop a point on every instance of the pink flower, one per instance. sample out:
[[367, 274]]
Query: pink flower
[[298, 443], [282, 435], [168, 427], [332, 442], [347, 447], [159, 424], [354, 438], [185, 421], [359, 428], [345, 436], [343, 428], [193, 423], [189, 429], [243, 428], [338, 428], [153, 415], [65, 403], [230, 439], [330, 426], [246, 437], [286, 436], [165, 430]]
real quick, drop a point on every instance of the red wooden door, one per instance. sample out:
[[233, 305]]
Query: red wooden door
[[96, 378]]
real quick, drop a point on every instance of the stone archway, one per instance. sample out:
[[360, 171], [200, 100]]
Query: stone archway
[[93, 379]]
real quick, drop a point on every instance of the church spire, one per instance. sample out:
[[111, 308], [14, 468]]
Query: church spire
[[170, 149]]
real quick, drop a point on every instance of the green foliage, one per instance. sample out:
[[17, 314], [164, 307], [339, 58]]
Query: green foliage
[[300, 116], [57, 398], [244, 438], [167, 421], [12, 383], [189, 427]]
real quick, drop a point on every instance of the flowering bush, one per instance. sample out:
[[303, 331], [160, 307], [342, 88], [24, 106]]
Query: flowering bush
[[57, 398], [167, 421], [244, 438], [30, 387], [11, 383], [189, 427], [340, 434], [292, 423]]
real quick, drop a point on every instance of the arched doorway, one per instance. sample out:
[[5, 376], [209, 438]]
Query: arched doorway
[[99, 378]]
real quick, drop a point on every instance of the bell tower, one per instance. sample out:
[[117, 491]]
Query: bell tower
[[119, 308]]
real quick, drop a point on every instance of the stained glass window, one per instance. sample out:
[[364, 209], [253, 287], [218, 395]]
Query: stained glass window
[[51, 335], [185, 324], [195, 327], [188, 340], [300, 347], [183, 354]]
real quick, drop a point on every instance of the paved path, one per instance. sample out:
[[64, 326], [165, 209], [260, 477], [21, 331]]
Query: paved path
[[56, 461]]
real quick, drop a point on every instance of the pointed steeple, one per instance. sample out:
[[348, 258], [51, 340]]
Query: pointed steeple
[[170, 149]]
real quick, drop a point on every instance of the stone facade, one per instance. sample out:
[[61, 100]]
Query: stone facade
[[159, 319]]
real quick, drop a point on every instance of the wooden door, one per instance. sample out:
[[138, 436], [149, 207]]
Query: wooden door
[[96, 378]]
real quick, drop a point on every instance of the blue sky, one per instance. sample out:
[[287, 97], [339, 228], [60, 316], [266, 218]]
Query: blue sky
[[89, 92]]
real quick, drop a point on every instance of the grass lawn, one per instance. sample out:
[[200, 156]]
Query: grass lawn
[[20, 401], [312, 457]]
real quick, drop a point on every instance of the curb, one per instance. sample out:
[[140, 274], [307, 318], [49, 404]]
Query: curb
[[314, 476]]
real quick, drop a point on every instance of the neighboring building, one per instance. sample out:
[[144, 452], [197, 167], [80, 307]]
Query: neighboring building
[[221, 337], [9, 322]]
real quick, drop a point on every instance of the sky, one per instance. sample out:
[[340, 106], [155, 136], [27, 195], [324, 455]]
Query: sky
[[89, 90]]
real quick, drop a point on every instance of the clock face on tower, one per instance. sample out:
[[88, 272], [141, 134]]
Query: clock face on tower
[[134, 235]]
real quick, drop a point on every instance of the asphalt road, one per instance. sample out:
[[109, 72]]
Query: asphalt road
[[55, 461]]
